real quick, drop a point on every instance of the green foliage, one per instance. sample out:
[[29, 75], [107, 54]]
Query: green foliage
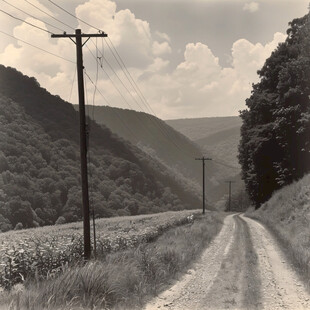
[[239, 202], [125, 279], [275, 148], [40, 169], [42, 253]]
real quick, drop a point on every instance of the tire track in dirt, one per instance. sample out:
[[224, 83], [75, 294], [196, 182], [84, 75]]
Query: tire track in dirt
[[189, 291], [237, 285], [281, 288], [243, 268]]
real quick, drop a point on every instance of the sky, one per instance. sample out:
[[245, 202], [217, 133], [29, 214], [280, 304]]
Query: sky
[[188, 58]]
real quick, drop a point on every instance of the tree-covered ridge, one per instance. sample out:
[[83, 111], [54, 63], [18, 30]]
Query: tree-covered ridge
[[40, 169], [275, 148]]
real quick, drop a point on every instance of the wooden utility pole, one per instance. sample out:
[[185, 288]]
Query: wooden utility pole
[[203, 159], [83, 135], [229, 191]]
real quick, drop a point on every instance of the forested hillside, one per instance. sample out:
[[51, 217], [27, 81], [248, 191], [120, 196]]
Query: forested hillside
[[174, 150], [40, 170], [217, 136], [199, 128], [275, 146]]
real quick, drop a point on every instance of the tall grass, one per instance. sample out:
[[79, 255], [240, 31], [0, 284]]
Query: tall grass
[[287, 215], [122, 280], [43, 252]]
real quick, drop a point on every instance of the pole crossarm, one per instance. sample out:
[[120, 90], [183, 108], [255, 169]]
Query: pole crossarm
[[82, 35], [83, 135], [203, 158]]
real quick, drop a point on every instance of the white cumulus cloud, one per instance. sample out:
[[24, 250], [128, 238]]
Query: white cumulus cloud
[[251, 7], [197, 86]]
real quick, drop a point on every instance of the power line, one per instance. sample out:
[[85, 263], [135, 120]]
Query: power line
[[31, 15], [50, 15], [39, 48], [154, 121], [30, 24], [73, 80], [61, 8], [158, 124], [128, 75], [140, 94], [226, 165], [113, 111], [86, 23]]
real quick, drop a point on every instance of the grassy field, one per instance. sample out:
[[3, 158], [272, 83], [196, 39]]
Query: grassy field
[[124, 279], [287, 215], [43, 252]]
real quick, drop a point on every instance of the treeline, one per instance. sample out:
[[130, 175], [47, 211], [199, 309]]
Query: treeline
[[40, 170], [275, 146]]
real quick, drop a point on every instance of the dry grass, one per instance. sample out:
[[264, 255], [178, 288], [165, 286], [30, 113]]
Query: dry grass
[[42, 252], [122, 280], [287, 215]]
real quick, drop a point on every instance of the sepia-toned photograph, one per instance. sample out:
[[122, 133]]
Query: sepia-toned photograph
[[154, 154]]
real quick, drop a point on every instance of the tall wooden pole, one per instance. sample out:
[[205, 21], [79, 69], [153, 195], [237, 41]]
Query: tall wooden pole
[[83, 144], [203, 159], [83, 135]]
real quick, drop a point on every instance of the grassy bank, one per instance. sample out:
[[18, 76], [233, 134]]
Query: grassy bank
[[287, 215], [121, 280], [42, 251]]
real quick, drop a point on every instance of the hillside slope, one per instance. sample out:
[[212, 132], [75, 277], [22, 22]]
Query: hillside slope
[[199, 128], [40, 170], [218, 136], [153, 136], [287, 214], [166, 145], [223, 145]]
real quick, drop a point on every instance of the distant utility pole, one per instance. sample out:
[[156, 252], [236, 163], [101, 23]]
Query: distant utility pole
[[83, 139], [229, 201], [203, 159]]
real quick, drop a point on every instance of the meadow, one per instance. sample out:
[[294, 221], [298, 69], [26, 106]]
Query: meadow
[[41, 253], [124, 279]]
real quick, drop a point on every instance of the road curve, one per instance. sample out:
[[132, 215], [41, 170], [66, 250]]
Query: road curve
[[243, 268]]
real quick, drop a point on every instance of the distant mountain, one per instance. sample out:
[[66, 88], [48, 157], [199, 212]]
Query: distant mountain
[[153, 136], [198, 128], [218, 136], [165, 144], [40, 169]]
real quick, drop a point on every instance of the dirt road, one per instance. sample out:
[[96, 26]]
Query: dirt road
[[243, 268]]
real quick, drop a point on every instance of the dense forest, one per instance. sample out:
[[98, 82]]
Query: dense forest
[[40, 170], [275, 147]]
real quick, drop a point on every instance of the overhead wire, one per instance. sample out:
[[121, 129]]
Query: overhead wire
[[50, 15], [136, 115], [28, 23], [113, 111], [72, 84], [79, 19], [122, 65], [141, 96], [39, 48], [31, 15], [128, 76], [122, 62], [226, 165], [153, 120]]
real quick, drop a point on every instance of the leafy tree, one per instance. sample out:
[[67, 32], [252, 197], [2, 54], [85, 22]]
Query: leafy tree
[[274, 149]]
